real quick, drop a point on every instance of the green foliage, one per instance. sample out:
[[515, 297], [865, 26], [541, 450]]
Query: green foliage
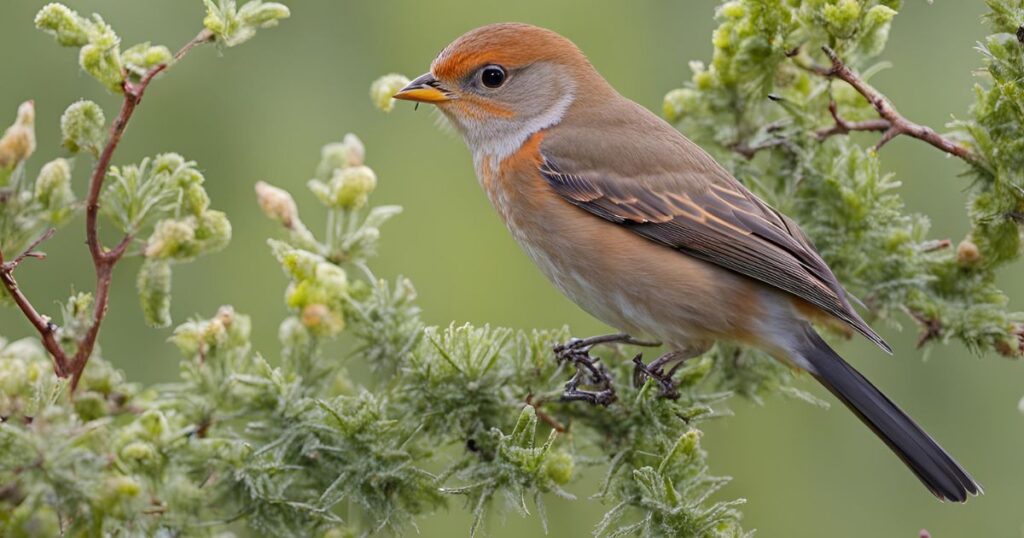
[[296, 446], [762, 107], [99, 46], [82, 127], [27, 206], [302, 448], [235, 25]]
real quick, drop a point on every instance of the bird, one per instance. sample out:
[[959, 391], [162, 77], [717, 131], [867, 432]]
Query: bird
[[646, 231]]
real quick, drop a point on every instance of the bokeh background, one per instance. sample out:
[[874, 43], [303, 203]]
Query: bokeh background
[[262, 111]]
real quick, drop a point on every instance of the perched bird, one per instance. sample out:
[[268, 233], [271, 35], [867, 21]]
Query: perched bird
[[647, 232]]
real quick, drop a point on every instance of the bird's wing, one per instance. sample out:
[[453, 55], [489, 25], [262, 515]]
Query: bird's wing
[[716, 220]]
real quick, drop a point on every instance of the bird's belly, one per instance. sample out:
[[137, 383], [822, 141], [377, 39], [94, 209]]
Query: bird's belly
[[619, 277], [633, 284]]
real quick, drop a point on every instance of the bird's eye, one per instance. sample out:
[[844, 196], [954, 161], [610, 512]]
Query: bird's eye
[[492, 76]]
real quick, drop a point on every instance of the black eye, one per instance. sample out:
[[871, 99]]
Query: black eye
[[492, 76]]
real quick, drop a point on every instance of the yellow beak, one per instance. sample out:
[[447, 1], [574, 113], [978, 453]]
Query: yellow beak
[[425, 89]]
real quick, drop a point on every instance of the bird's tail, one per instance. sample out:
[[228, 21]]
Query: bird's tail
[[939, 472]]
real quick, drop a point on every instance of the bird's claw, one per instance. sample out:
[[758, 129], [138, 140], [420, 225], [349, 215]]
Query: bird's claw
[[589, 370], [667, 386]]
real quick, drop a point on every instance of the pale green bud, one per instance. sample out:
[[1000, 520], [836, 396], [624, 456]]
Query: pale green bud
[[154, 285], [877, 22], [704, 80], [680, 102], [13, 375], [879, 15], [347, 153], [141, 58], [213, 231], [53, 190], [101, 57], [215, 20], [732, 10], [351, 187], [332, 278], [82, 127], [721, 38], [194, 198], [234, 452], [277, 204], [19, 140], [263, 15], [690, 443], [153, 425], [558, 466], [382, 90], [841, 18], [140, 453], [79, 305], [168, 163], [121, 495], [64, 24], [226, 328], [122, 487], [172, 238], [90, 405], [300, 264], [235, 26]]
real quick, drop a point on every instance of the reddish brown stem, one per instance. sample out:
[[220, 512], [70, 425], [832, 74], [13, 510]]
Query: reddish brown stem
[[842, 126], [103, 260], [896, 124], [47, 330]]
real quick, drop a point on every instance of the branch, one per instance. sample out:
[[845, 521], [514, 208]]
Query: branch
[[895, 124], [843, 126], [47, 330], [103, 260]]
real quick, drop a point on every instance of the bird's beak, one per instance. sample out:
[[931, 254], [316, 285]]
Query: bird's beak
[[425, 89]]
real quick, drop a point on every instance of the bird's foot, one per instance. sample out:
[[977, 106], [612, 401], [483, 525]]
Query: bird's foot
[[656, 371], [589, 371]]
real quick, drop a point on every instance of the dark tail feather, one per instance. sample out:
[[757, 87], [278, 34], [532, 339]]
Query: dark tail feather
[[939, 472]]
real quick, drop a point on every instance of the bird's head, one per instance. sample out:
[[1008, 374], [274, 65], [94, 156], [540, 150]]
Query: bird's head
[[502, 82]]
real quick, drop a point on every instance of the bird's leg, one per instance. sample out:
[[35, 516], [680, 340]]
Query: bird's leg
[[589, 370], [577, 345], [672, 360]]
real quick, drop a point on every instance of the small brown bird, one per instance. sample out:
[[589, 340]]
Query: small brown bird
[[647, 232]]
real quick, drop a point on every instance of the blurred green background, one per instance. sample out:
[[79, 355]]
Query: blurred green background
[[262, 111]]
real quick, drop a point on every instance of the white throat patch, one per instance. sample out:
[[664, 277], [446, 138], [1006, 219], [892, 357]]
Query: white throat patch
[[495, 139]]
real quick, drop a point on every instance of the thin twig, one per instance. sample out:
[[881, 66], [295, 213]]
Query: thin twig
[[897, 124], [47, 330], [29, 252], [749, 151], [103, 260], [936, 245], [843, 126]]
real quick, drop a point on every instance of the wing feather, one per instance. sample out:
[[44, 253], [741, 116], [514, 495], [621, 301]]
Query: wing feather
[[724, 224]]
